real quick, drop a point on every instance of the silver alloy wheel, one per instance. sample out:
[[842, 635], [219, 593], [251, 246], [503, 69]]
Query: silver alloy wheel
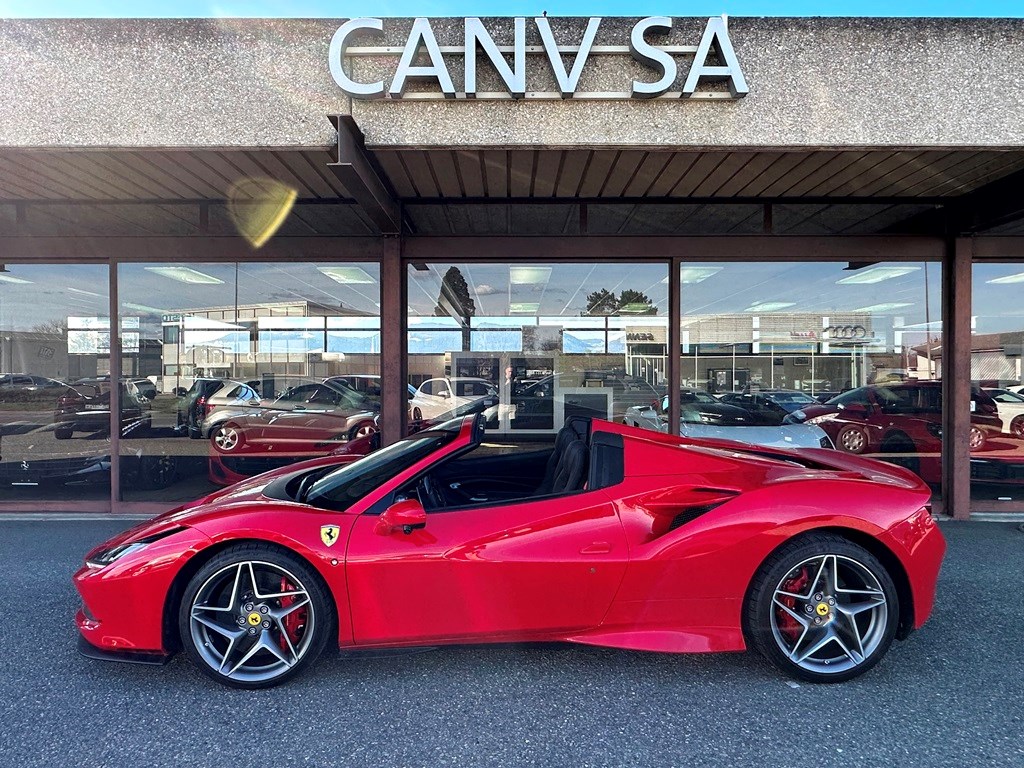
[[836, 620], [364, 430], [975, 439], [852, 440], [252, 621], [226, 438]]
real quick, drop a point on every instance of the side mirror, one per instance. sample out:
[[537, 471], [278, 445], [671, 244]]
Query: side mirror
[[254, 402], [444, 393], [406, 516]]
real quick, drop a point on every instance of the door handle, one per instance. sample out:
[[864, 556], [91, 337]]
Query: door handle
[[597, 548]]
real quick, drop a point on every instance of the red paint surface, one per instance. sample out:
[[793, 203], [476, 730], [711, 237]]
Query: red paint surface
[[600, 566]]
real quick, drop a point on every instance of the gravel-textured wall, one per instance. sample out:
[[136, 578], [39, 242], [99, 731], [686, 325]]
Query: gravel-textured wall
[[265, 83]]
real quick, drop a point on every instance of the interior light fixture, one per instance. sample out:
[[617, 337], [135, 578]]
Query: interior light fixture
[[875, 275], [348, 275], [769, 306], [1006, 280], [185, 275], [884, 307], [6, 278], [529, 275], [696, 274], [523, 307]]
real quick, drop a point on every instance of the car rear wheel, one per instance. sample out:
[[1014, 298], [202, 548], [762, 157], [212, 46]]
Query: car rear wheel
[[975, 439], [417, 414], [63, 434], [822, 609], [255, 616], [227, 438], [1017, 426], [852, 439]]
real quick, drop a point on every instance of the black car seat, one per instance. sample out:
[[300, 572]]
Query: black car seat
[[577, 428], [571, 472]]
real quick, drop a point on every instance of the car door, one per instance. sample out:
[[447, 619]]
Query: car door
[[513, 570]]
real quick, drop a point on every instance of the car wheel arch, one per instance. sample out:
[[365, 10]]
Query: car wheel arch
[[176, 591], [873, 545]]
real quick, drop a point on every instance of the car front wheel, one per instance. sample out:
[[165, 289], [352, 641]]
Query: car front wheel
[[255, 616], [227, 438], [822, 609]]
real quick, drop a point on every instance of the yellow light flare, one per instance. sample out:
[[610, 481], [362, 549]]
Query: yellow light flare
[[258, 208]]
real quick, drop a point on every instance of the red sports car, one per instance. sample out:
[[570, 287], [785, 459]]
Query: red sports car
[[616, 536]]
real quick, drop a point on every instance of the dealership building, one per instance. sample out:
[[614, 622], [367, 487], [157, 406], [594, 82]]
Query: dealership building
[[546, 216]]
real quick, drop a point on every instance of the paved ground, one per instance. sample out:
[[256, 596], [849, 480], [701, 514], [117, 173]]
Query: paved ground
[[951, 695]]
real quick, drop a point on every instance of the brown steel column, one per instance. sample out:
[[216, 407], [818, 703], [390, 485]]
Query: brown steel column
[[393, 378], [956, 377], [673, 368], [114, 310]]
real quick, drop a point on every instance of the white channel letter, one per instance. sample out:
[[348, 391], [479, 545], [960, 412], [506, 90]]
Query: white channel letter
[[567, 82], [336, 59], [716, 34], [514, 77], [421, 34], [651, 56]]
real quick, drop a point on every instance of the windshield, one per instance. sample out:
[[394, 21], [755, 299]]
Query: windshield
[[339, 489]]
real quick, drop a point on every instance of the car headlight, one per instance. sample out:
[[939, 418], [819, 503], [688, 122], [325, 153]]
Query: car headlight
[[821, 419], [798, 415], [105, 557]]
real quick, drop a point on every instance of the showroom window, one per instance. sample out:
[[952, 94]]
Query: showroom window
[[997, 349], [531, 344], [234, 369], [54, 387], [814, 354]]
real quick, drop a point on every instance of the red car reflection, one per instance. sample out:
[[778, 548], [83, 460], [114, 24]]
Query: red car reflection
[[616, 536], [900, 422]]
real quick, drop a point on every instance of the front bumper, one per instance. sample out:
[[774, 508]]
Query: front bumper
[[123, 603]]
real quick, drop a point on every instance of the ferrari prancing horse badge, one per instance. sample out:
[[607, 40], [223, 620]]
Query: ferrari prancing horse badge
[[329, 534]]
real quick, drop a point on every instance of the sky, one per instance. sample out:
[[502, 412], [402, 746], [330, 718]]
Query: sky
[[381, 8]]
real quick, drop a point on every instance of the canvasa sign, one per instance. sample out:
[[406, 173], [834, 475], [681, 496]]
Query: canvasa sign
[[422, 59]]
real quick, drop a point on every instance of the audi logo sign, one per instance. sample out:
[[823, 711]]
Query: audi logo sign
[[846, 332]]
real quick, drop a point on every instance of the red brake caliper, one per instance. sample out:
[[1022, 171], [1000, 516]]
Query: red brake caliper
[[789, 626], [295, 620]]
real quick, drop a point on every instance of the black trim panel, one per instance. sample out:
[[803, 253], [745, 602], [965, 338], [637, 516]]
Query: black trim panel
[[607, 461], [151, 658]]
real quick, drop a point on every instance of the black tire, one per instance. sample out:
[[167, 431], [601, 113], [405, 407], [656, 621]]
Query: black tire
[[417, 414], [319, 627], [1017, 426], [157, 472], [63, 433], [900, 443], [764, 619]]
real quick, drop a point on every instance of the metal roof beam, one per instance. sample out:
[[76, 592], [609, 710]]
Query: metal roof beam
[[361, 179]]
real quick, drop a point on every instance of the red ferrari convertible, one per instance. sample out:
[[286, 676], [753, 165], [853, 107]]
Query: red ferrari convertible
[[617, 536]]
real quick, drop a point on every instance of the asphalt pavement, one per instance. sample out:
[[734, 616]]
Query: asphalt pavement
[[953, 694]]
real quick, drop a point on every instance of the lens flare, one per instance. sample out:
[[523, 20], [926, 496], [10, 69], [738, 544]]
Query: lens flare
[[258, 207]]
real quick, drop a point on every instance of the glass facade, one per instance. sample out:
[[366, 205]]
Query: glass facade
[[815, 354], [531, 344], [997, 348], [248, 367], [231, 368], [55, 383]]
